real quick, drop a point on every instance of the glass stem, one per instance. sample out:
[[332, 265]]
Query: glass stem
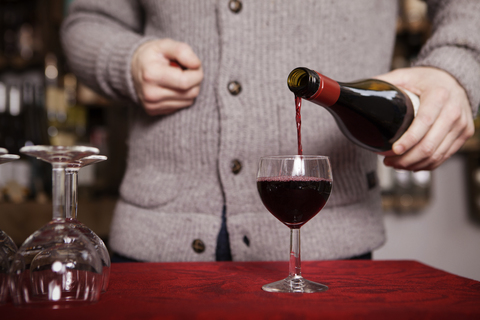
[[58, 190], [74, 194], [295, 265], [71, 194]]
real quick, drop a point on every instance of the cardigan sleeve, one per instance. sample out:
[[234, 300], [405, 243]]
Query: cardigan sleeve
[[454, 44], [99, 39]]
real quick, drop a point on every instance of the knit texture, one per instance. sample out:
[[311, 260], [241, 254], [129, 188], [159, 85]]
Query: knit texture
[[179, 166], [455, 49]]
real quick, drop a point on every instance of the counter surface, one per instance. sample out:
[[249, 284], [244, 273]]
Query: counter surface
[[232, 290]]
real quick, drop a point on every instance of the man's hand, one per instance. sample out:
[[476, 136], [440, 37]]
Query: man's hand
[[162, 86], [443, 123]]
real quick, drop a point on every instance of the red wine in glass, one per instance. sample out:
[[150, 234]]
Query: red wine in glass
[[296, 199]]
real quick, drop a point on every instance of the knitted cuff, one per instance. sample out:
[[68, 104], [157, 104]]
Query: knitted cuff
[[113, 67]]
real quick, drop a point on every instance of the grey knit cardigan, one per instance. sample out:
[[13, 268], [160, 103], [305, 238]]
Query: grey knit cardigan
[[179, 174]]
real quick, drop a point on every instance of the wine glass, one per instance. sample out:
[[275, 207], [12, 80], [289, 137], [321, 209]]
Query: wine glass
[[57, 265], [7, 246], [71, 214], [294, 189]]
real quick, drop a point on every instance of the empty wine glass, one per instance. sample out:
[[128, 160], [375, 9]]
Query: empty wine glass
[[57, 265], [7, 246], [72, 205], [294, 189]]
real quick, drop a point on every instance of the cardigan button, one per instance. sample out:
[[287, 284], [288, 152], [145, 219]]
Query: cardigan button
[[235, 6], [246, 241], [234, 88], [236, 166], [198, 246]]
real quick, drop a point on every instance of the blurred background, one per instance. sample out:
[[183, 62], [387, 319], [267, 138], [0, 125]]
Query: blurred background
[[431, 217], [41, 102]]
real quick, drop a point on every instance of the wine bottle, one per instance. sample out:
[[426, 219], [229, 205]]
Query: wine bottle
[[371, 113], [3, 113]]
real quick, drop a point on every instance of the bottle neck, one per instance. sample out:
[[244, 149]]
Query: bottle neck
[[313, 86], [327, 93]]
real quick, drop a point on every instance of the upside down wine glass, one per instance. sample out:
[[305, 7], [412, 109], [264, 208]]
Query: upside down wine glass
[[71, 205], [7, 246], [57, 265], [294, 189]]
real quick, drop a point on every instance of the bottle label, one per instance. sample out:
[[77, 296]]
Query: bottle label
[[414, 99]]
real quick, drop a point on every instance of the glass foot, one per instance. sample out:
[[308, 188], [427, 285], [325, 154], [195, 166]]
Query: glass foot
[[295, 284]]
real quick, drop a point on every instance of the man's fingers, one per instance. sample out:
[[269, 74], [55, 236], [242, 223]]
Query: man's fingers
[[172, 77], [179, 52], [166, 107], [152, 93], [430, 108]]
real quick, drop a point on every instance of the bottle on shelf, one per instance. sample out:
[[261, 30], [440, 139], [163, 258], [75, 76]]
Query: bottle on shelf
[[371, 113], [16, 126], [76, 113], [35, 118], [33, 98], [15, 176], [3, 112]]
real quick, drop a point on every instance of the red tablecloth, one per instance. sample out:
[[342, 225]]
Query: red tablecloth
[[232, 290]]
